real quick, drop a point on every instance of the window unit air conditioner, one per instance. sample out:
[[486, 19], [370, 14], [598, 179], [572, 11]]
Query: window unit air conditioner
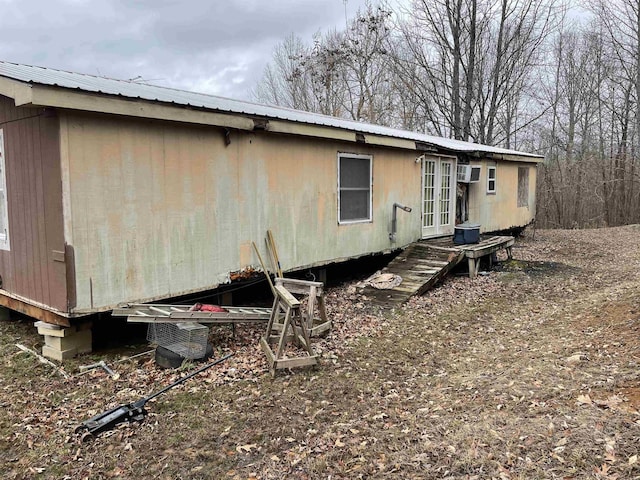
[[468, 173]]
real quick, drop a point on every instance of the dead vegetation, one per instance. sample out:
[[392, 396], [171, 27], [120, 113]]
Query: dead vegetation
[[531, 371]]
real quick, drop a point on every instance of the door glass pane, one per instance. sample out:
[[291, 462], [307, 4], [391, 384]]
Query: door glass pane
[[428, 215], [445, 193]]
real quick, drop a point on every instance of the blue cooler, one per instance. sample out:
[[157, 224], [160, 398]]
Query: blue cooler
[[466, 233]]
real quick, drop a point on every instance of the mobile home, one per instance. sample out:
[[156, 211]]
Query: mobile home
[[113, 191]]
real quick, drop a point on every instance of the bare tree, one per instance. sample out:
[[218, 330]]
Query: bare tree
[[285, 81], [474, 61], [503, 72]]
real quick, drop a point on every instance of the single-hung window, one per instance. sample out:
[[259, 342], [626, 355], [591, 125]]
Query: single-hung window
[[4, 212], [491, 179], [354, 188]]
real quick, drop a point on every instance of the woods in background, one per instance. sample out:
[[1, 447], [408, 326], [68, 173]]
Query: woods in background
[[545, 77]]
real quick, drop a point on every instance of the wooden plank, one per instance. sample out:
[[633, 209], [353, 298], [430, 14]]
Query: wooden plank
[[266, 348], [429, 262], [296, 362], [32, 311], [286, 282], [419, 272], [409, 290], [487, 250], [286, 297], [445, 249], [320, 328]]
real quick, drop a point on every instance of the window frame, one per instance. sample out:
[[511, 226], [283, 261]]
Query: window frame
[[4, 222], [359, 156], [523, 193], [494, 169]]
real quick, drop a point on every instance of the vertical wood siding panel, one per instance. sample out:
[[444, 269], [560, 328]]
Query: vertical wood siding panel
[[31, 220], [34, 193], [40, 224], [52, 193], [29, 212], [17, 207]]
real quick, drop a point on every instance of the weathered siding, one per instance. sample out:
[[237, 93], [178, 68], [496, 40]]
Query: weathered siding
[[157, 209], [31, 268], [500, 211]]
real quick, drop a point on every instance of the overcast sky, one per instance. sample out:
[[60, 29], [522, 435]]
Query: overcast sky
[[210, 46]]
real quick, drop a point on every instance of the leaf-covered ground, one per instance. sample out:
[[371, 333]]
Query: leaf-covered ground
[[531, 371]]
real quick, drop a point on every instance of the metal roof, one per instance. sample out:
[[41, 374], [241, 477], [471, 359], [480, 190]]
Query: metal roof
[[89, 83]]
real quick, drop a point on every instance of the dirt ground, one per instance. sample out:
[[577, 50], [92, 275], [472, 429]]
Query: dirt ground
[[531, 371]]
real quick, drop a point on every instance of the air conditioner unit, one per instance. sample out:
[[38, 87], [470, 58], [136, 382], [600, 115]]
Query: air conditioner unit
[[468, 173]]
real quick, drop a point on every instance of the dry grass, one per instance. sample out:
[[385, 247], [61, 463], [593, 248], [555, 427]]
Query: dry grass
[[529, 372]]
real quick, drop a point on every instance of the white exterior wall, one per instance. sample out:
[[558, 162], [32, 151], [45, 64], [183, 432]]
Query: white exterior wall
[[500, 211], [155, 210]]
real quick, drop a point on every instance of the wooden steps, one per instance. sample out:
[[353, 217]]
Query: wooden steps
[[420, 267], [423, 264]]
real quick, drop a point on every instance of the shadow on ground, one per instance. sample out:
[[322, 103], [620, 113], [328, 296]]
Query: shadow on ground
[[535, 269]]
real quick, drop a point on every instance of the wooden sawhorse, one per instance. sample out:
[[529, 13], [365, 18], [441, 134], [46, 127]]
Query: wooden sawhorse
[[319, 324], [286, 324]]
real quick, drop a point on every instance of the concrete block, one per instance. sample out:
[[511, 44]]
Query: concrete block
[[54, 330], [62, 343], [80, 341], [59, 355], [51, 326]]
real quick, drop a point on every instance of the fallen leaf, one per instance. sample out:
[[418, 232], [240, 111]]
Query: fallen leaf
[[584, 400], [577, 358], [633, 459], [611, 402], [561, 442], [246, 448]]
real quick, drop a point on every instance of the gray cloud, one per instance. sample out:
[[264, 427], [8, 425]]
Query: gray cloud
[[209, 46]]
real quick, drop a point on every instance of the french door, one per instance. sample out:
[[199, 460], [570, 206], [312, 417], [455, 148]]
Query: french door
[[438, 195]]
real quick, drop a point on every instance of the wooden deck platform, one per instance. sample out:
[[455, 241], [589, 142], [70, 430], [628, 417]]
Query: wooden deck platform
[[422, 264]]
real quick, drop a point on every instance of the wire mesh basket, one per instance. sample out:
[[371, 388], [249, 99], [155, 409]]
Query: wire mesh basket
[[188, 339]]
